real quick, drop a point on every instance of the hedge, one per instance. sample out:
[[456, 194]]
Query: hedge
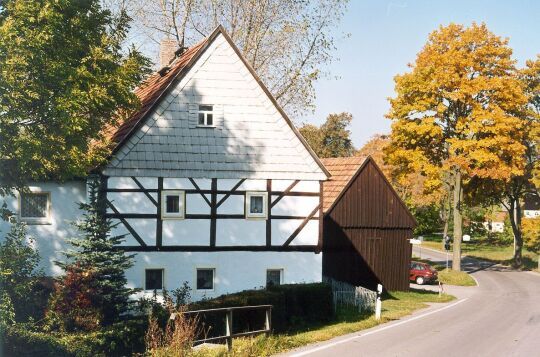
[[294, 306], [121, 339]]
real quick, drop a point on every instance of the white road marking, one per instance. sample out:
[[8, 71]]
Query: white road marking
[[477, 282], [320, 348], [436, 251]]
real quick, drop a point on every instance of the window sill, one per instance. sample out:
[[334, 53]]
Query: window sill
[[206, 126], [257, 218], [36, 221], [205, 290], [170, 218]]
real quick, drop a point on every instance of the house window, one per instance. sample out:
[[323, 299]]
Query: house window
[[256, 204], [35, 207], [153, 279], [173, 204], [274, 277], [205, 279], [206, 115]]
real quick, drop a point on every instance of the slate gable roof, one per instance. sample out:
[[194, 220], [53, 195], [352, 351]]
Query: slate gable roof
[[146, 146], [150, 91]]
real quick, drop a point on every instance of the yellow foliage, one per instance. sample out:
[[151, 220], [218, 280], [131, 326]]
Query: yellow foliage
[[530, 228], [461, 107]]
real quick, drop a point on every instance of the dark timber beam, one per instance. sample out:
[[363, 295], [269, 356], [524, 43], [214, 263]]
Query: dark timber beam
[[159, 223], [233, 191], [284, 193], [201, 192], [138, 183], [302, 225], [269, 213], [205, 248], [213, 213], [127, 225]]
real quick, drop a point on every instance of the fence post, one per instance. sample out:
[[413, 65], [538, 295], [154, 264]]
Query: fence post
[[268, 322], [229, 328]]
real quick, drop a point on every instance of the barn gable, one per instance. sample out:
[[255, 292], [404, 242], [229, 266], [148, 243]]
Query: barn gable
[[366, 226], [359, 195], [251, 137]]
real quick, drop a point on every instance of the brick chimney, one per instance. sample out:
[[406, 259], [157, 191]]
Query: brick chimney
[[167, 49]]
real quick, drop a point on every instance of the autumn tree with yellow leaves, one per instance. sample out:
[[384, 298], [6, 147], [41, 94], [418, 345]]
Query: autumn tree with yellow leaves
[[456, 115]]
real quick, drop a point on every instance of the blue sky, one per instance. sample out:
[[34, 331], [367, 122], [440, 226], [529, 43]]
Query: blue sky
[[386, 35]]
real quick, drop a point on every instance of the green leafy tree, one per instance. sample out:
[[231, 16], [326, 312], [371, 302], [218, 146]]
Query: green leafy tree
[[19, 273], [332, 138], [95, 272], [63, 76]]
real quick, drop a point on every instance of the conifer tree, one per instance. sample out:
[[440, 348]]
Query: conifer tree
[[98, 261]]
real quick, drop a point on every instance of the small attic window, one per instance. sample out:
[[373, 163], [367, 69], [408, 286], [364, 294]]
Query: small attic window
[[206, 116]]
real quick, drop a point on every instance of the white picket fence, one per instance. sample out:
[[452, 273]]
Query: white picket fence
[[350, 295]]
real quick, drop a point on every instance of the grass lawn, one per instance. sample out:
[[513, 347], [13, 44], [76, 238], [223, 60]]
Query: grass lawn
[[348, 320], [500, 254], [449, 276]]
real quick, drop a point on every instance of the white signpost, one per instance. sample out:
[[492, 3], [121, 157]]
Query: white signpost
[[466, 238], [417, 241], [378, 304]]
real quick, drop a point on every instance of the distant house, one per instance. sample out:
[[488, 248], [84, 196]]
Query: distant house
[[366, 226], [495, 223], [531, 206]]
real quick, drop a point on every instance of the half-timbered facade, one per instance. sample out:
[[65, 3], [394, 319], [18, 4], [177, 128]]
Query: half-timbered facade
[[210, 181]]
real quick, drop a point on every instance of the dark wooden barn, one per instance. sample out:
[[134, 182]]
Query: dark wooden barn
[[366, 226]]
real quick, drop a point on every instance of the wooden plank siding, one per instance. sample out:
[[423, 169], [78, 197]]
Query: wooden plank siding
[[366, 232]]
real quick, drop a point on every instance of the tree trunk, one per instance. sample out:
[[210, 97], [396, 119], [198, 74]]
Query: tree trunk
[[446, 217], [458, 221], [515, 221]]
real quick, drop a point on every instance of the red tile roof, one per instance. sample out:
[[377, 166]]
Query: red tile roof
[[152, 89], [342, 170]]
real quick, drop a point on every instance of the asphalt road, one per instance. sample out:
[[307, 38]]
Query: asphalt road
[[500, 317]]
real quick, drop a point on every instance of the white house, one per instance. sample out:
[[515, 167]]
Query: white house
[[210, 182]]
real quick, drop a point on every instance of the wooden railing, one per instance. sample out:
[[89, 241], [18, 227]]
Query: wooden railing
[[229, 333]]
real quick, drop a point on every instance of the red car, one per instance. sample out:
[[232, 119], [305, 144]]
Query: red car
[[422, 273]]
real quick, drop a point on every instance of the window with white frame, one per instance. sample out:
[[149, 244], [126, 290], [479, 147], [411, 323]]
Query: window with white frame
[[173, 204], [206, 115], [35, 207], [256, 204], [205, 278], [153, 279], [274, 277]]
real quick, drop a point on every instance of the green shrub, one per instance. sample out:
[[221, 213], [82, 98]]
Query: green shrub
[[20, 341], [120, 339], [294, 306]]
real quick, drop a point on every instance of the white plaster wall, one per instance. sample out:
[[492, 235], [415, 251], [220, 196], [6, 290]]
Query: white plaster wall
[[295, 205], [234, 271], [283, 228], [132, 202], [230, 232], [196, 204], [234, 204], [186, 232], [50, 238]]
